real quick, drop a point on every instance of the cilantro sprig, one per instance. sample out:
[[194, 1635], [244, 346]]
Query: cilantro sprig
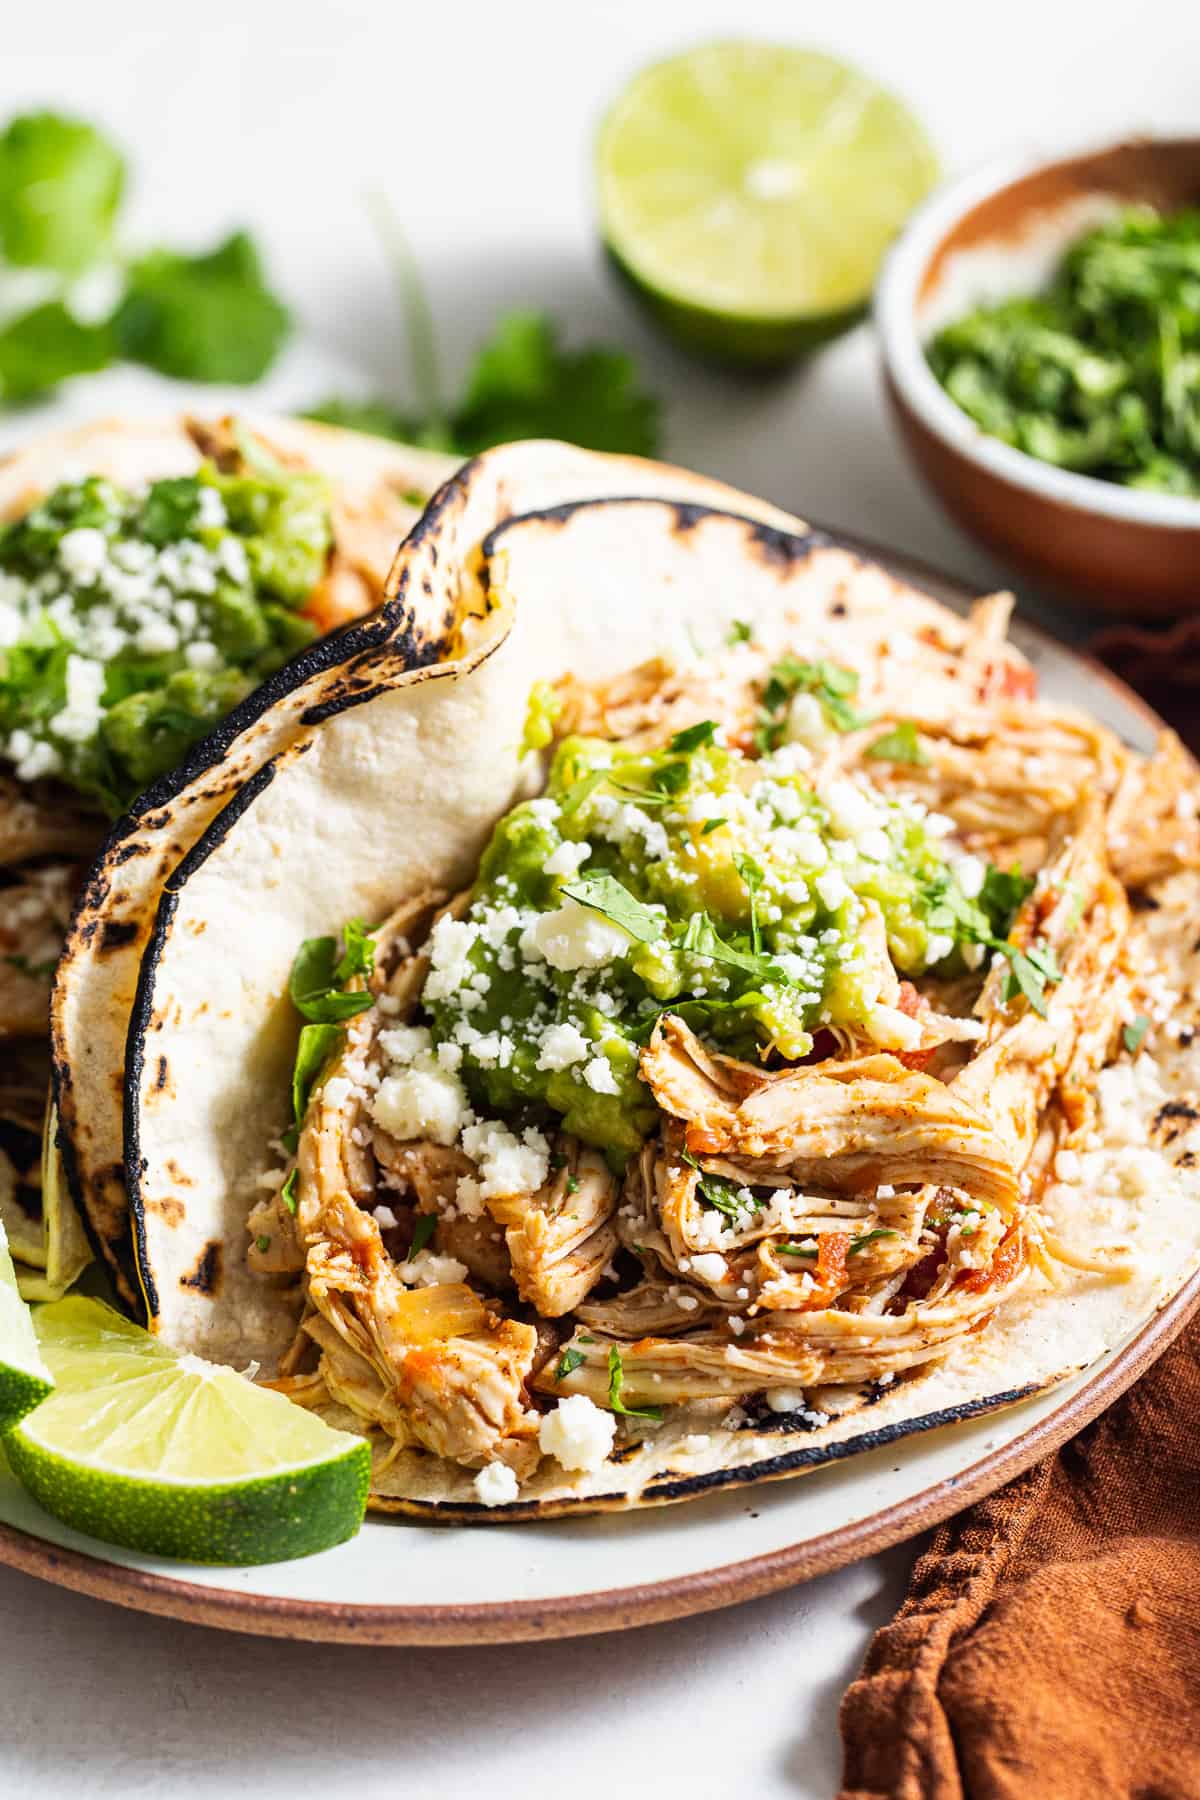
[[207, 317], [523, 382], [315, 986]]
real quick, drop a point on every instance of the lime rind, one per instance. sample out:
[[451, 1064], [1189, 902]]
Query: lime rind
[[24, 1378], [272, 1519], [176, 1457]]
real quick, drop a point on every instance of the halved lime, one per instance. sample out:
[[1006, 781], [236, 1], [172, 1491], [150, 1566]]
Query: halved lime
[[24, 1378], [176, 1456], [749, 192]]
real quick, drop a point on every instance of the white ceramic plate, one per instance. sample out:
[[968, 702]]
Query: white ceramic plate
[[403, 1582]]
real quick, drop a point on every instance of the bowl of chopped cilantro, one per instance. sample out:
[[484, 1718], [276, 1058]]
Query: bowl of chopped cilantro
[[1040, 331]]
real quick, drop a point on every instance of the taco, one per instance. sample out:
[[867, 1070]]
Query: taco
[[713, 1019], [151, 576]]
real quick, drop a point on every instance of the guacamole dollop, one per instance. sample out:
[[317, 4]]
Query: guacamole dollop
[[725, 888], [131, 623]]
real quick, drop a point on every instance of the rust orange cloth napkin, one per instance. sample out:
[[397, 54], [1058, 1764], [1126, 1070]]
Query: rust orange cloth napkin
[[1049, 1646]]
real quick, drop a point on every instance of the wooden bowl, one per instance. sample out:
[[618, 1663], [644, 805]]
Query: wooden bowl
[[985, 238]]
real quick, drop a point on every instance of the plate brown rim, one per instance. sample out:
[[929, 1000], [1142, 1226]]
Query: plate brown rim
[[706, 1590]]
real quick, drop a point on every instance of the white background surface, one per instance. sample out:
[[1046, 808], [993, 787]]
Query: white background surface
[[476, 119]]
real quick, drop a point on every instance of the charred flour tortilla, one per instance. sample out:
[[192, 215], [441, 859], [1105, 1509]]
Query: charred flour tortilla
[[377, 490], [366, 786]]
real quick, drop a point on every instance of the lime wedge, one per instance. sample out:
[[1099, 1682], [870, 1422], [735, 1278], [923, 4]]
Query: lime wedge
[[24, 1378], [748, 192], [176, 1456]]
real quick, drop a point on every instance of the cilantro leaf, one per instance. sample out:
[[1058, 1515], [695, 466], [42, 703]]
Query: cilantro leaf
[[604, 894], [702, 939], [788, 677], [1134, 1032], [570, 1360], [740, 632], [314, 982], [423, 1232], [288, 1195], [61, 183], [796, 1250], [693, 736], [710, 825], [1029, 972], [358, 957], [616, 1380], [900, 745], [46, 346], [524, 385], [202, 318], [1002, 894], [719, 1193], [317, 1044]]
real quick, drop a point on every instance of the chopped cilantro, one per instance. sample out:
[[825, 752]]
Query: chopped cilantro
[[900, 745], [740, 632], [796, 1250], [287, 1194], [788, 677], [262, 1244], [570, 1360], [1134, 1032], [616, 1380], [572, 1184], [1029, 973], [423, 1232], [693, 736], [711, 825]]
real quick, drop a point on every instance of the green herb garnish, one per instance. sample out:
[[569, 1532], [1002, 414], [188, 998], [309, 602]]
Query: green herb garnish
[[572, 1184], [616, 1380], [869, 1237], [317, 975], [693, 736], [288, 1195], [1098, 373], [788, 677], [317, 1044], [1134, 1032], [900, 745], [522, 384], [570, 1360], [606, 895], [711, 825], [423, 1232], [740, 632], [262, 1244]]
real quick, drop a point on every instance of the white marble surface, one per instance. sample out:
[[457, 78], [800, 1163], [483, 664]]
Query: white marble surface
[[476, 120]]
